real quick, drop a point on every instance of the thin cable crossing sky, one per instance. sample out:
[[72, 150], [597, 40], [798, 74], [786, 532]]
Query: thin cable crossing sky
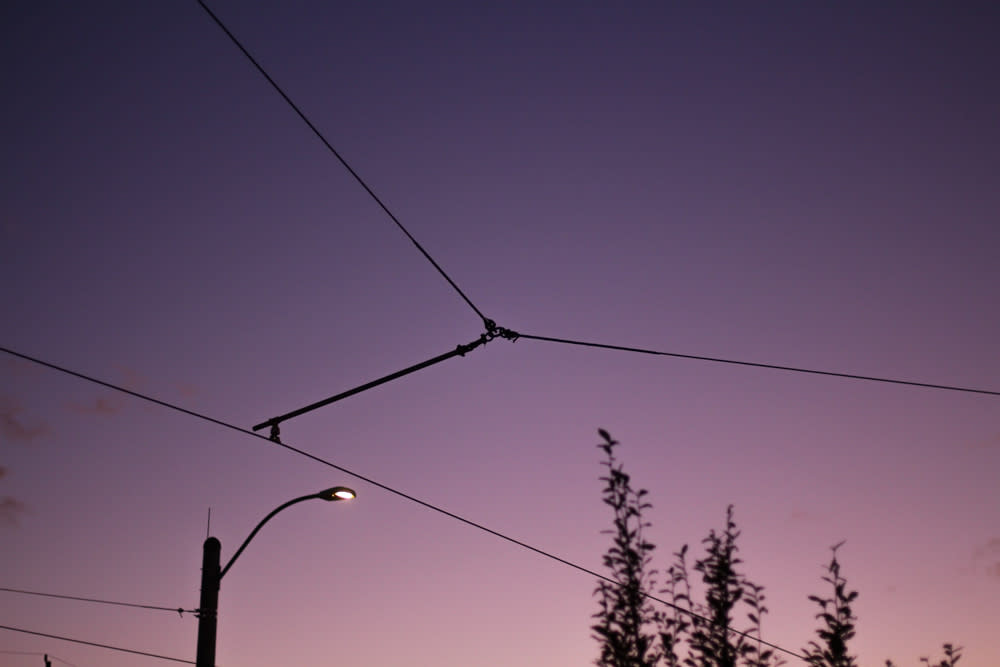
[[380, 485], [344, 162], [490, 325], [96, 644], [776, 367], [178, 610]]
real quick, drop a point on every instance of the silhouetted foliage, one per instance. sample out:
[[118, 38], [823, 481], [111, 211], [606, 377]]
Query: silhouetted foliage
[[952, 654], [837, 621], [633, 633], [711, 643], [757, 655], [674, 623], [704, 629], [625, 610], [626, 614]]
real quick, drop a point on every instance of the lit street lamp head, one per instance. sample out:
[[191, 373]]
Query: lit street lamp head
[[338, 493]]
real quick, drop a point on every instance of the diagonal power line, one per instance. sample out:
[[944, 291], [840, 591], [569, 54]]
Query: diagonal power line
[[793, 369], [179, 610], [489, 324], [340, 158], [384, 487], [487, 321], [47, 655], [87, 643]]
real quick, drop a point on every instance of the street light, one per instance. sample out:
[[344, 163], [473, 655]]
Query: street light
[[211, 574]]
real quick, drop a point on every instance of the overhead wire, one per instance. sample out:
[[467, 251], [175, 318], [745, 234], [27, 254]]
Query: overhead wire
[[486, 320], [97, 644], [340, 158], [793, 369], [178, 610], [48, 655], [384, 487]]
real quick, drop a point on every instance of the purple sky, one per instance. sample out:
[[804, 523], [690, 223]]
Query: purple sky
[[793, 184]]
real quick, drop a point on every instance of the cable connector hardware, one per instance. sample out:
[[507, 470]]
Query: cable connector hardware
[[495, 331]]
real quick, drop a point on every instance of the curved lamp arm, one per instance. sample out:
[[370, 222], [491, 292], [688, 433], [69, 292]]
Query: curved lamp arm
[[336, 493]]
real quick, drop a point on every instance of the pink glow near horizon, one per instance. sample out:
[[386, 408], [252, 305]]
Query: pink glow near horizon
[[798, 186]]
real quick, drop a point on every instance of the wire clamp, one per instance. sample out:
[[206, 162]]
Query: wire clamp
[[469, 347], [495, 331], [507, 334]]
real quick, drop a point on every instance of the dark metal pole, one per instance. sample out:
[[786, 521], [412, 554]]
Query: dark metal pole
[[209, 605], [457, 352]]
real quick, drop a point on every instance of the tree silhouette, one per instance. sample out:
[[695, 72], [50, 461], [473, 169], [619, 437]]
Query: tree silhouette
[[625, 611], [632, 632], [837, 621]]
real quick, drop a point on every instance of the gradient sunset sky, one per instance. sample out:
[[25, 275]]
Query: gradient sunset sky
[[794, 183]]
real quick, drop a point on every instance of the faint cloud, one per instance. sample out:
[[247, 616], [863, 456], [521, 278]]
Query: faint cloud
[[14, 427], [991, 546], [10, 509], [801, 516], [187, 390], [987, 556], [988, 443], [102, 406], [19, 368], [131, 378]]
